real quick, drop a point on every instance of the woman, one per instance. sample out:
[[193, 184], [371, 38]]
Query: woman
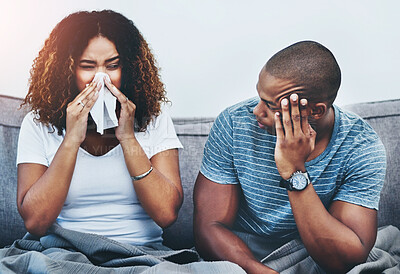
[[124, 184]]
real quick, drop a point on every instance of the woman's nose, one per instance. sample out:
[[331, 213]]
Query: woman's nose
[[101, 69]]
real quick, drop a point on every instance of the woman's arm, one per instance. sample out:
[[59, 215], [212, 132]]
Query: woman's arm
[[42, 190], [160, 193]]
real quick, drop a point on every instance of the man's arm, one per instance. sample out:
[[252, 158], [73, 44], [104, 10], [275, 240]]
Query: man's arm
[[339, 239], [215, 209]]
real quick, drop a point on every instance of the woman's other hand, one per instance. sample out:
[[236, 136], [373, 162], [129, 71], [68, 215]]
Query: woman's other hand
[[78, 113], [126, 119]]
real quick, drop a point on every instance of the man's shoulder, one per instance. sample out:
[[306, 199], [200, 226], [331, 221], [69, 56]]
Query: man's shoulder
[[358, 138], [354, 125]]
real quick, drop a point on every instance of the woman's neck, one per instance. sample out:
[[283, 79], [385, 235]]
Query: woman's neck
[[97, 144]]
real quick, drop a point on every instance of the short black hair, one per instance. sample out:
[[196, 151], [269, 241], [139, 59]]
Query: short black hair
[[310, 64]]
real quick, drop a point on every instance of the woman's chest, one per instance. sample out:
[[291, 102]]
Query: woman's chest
[[103, 178]]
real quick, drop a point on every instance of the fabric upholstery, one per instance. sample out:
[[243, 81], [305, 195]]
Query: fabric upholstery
[[384, 117], [11, 224], [193, 134]]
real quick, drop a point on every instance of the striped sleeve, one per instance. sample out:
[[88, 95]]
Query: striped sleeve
[[217, 164], [365, 175]]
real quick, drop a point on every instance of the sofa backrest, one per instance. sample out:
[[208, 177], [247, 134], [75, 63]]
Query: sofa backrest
[[193, 134], [384, 117], [11, 224]]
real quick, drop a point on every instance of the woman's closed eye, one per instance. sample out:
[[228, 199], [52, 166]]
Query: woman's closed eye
[[87, 67], [113, 66]]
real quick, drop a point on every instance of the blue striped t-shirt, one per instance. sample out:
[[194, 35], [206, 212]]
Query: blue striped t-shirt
[[351, 169]]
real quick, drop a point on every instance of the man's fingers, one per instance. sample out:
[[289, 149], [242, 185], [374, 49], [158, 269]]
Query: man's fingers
[[295, 115], [286, 119], [278, 126], [304, 116]]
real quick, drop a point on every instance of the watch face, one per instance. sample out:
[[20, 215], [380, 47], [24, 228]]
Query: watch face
[[299, 181]]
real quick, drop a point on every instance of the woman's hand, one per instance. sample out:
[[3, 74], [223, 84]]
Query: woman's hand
[[78, 113], [126, 121]]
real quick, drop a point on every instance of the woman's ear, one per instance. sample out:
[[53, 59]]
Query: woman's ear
[[318, 110]]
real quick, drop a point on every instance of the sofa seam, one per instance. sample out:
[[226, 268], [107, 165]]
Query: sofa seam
[[381, 116], [13, 126]]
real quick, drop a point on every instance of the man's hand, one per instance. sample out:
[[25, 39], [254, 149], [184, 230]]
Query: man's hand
[[295, 136]]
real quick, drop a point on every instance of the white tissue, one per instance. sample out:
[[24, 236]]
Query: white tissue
[[103, 110]]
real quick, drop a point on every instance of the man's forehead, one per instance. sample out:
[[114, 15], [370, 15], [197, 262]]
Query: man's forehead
[[276, 101], [273, 89]]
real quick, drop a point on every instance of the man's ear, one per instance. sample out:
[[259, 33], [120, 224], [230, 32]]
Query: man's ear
[[318, 110]]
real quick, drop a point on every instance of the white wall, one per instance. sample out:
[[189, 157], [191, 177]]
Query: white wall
[[211, 52]]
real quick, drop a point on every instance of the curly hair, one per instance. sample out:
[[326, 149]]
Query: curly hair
[[52, 77]]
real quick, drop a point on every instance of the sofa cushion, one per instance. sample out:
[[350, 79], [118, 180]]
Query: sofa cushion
[[11, 224], [384, 117]]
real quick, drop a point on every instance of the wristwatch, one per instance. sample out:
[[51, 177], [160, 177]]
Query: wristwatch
[[298, 181]]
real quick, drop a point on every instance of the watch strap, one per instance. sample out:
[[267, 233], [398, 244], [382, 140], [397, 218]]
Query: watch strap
[[286, 184]]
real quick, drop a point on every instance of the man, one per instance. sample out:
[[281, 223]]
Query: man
[[290, 171]]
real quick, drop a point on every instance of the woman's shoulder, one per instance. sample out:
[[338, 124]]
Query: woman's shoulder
[[31, 122], [31, 119], [162, 120]]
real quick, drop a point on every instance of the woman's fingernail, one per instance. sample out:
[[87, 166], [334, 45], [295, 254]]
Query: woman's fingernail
[[87, 85], [294, 97], [285, 102]]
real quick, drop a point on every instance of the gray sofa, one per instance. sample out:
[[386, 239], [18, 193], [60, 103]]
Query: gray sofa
[[384, 117]]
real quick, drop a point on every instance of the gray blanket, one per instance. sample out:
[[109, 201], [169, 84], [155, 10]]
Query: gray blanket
[[67, 251], [293, 258], [385, 256]]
